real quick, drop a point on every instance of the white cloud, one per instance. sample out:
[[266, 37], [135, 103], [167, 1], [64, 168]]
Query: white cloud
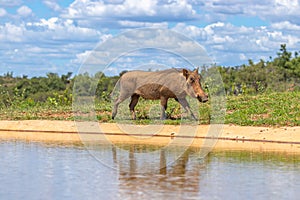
[[10, 2], [129, 10], [52, 4], [287, 10], [45, 43], [232, 44], [134, 24], [24, 11], [243, 56], [56, 29], [74, 31], [143, 47], [209, 29], [285, 25], [270, 10], [11, 33], [2, 12]]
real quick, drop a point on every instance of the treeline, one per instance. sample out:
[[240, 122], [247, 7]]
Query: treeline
[[23, 90], [53, 89], [276, 75]]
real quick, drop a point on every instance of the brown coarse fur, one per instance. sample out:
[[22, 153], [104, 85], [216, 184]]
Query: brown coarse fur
[[162, 85]]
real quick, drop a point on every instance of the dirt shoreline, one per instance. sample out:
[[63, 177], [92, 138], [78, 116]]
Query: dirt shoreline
[[231, 137]]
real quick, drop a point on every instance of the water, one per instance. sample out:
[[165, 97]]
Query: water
[[48, 171]]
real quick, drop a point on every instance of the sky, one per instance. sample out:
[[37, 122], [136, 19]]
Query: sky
[[41, 36]]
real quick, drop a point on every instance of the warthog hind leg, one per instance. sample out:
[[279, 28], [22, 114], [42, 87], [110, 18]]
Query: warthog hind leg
[[133, 102], [164, 105]]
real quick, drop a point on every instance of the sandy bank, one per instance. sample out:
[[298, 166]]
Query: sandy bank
[[284, 139]]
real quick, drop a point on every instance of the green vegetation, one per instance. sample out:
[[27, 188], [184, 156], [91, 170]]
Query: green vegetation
[[263, 93], [278, 75], [282, 109], [276, 109]]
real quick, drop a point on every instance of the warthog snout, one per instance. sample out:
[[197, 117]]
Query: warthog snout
[[203, 98]]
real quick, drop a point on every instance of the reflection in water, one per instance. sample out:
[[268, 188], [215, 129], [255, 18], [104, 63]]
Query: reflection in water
[[36, 171], [172, 181]]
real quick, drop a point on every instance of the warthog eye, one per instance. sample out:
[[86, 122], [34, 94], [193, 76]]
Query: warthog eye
[[192, 80]]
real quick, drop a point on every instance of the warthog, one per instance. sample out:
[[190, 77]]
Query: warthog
[[171, 83]]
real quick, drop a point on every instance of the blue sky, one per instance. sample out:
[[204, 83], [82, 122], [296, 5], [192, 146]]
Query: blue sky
[[40, 36]]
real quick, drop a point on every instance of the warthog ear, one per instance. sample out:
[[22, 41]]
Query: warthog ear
[[185, 73], [196, 70]]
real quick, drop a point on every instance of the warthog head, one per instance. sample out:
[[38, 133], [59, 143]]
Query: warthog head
[[194, 88]]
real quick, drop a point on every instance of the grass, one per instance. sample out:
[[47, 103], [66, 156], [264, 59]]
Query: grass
[[275, 109], [36, 112]]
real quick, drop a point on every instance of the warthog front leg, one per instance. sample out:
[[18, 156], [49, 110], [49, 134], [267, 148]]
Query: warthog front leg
[[119, 100], [115, 110], [183, 102], [133, 102]]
